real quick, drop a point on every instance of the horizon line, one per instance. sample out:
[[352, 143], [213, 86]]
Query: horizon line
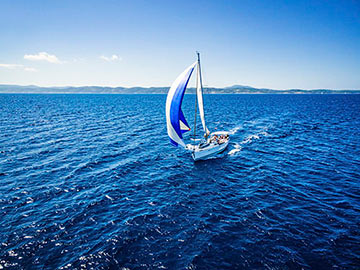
[[205, 87]]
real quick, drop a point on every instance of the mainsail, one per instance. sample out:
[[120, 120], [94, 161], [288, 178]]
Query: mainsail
[[199, 91], [175, 120]]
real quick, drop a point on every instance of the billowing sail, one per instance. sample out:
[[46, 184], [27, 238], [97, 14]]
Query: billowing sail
[[200, 99], [175, 120]]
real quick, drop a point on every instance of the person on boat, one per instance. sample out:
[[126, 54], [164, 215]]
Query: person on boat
[[221, 139], [213, 139]]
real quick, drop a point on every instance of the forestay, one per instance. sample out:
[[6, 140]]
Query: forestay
[[175, 121]]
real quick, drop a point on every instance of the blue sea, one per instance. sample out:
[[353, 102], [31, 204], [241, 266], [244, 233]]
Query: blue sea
[[92, 182]]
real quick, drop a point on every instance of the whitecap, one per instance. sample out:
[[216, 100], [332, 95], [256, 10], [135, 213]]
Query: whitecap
[[250, 138], [259, 214], [234, 130], [237, 148], [30, 200], [12, 253]]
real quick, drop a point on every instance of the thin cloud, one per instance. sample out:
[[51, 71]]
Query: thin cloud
[[114, 57], [30, 69], [17, 66], [43, 56], [76, 60], [11, 66]]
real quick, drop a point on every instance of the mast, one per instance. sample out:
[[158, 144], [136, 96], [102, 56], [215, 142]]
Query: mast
[[199, 70]]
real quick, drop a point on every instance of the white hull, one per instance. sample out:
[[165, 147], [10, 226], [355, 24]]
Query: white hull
[[209, 151]]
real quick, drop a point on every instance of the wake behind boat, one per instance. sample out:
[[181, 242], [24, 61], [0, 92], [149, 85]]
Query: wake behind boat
[[212, 143]]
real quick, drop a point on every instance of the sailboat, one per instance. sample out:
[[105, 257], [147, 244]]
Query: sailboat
[[212, 143]]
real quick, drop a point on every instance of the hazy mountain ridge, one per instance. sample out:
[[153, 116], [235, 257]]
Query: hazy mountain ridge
[[235, 89]]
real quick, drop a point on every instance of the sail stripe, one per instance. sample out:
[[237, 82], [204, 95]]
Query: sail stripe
[[184, 126]]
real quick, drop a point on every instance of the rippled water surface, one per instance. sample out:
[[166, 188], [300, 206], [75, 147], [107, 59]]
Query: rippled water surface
[[91, 181]]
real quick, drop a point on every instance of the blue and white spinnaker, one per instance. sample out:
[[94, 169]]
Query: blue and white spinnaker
[[175, 120]]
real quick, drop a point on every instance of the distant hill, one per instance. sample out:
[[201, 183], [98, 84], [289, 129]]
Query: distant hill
[[235, 89], [237, 86]]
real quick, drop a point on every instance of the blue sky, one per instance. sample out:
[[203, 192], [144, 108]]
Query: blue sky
[[270, 44]]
